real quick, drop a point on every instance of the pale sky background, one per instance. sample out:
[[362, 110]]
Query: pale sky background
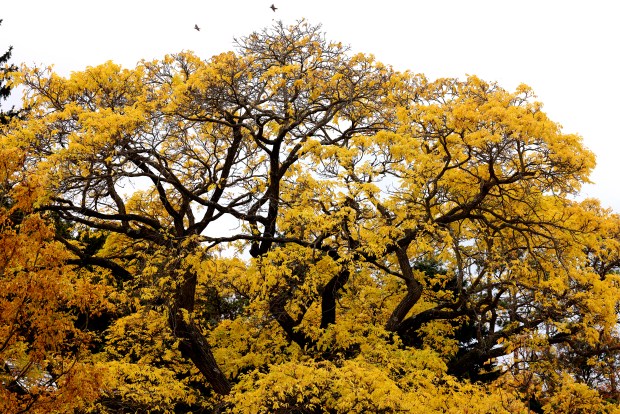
[[567, 51]]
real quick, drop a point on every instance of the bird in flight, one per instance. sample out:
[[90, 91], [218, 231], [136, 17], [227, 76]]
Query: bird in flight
[[196, 27], [274, 8]]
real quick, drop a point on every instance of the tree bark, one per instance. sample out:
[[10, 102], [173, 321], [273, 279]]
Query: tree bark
[[328, 297], [193, 344], [287, 323], [414, 292]]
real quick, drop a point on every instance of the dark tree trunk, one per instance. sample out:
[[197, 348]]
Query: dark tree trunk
[[287, 323], [414, 292], [193, 344], [329, 295]]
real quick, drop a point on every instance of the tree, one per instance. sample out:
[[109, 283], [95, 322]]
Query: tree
[[386, 227], [245, 107], [5, 83], [45, 358]]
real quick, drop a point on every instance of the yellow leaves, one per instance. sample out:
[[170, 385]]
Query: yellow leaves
[[243, 344], [40, 296], [293, 264], [144, 387], [460, 122], [572, 397], [368, 162], [356, 386], [275, 76], [438, 336], [141, 338], [311, 146], [11, 159]]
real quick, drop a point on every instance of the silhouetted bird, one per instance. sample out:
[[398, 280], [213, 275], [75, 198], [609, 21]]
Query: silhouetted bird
[[196, 27], [274, 8]]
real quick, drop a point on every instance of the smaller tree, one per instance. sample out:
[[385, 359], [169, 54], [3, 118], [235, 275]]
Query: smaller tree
[[45, 348], [6, 71]]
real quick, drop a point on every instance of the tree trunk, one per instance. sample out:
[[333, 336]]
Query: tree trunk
[[414, 292], [277, 308], [329, 294], [193, 344]]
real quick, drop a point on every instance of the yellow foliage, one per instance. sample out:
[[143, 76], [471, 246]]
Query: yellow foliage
[[42, 351], [292, 228]]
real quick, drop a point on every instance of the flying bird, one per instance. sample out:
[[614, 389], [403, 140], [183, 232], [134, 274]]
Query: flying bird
[[274, 8], [196, 27]]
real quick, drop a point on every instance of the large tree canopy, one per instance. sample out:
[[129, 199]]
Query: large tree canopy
[[294, 228]]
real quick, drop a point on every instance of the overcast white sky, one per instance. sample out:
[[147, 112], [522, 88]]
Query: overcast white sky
[[568, 51]]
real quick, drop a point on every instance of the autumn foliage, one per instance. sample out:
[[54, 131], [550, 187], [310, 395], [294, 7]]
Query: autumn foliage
[[293, 228]]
